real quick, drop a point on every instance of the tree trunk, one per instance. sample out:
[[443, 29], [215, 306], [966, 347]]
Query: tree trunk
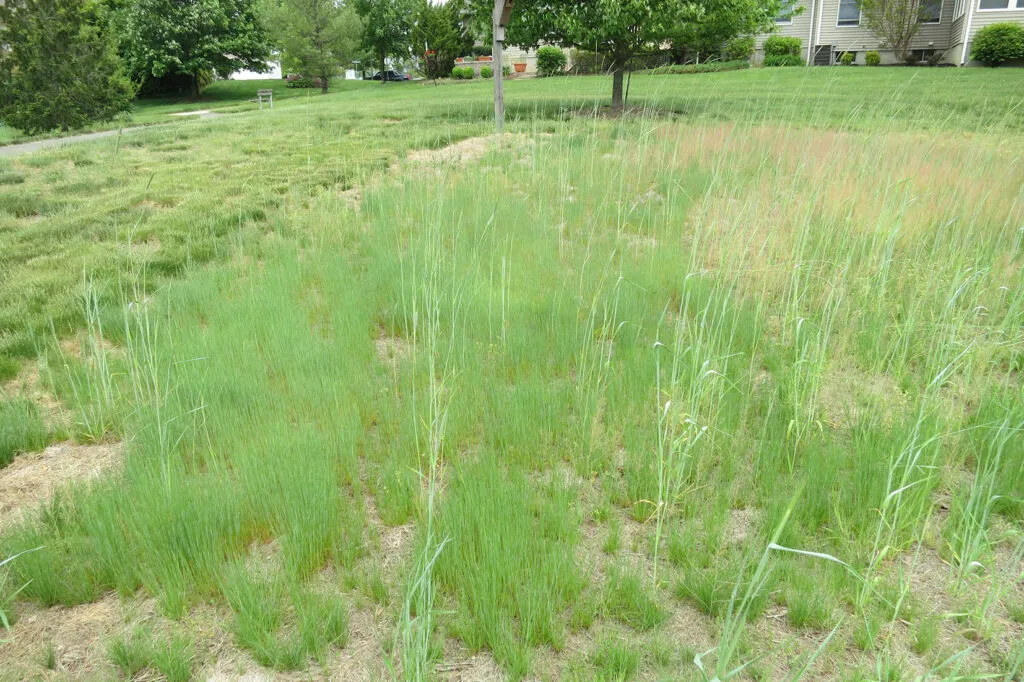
[[195, 86], [617, 76], [383, 66], [323, 85]]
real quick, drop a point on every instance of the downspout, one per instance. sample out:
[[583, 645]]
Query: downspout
[[967, 30], [817, 32], [810, 38]]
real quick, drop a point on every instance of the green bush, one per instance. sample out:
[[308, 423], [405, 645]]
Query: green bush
[[706, 67], [486, 72], [783, 60], [740, 48], [846, 59], [779, 46], [463, 73], [872, 58], [457, 73], [998, 43], [506, 70], [550, 61]]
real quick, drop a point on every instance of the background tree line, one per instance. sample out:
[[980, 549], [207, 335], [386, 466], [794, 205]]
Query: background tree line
[[68, 62]]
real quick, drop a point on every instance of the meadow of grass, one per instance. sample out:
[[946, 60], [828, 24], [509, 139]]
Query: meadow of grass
[[732, 392]]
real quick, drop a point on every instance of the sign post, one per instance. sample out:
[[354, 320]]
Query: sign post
[[502, 14]]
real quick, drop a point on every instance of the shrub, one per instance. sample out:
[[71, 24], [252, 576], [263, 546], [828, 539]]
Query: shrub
[[706, 67], [778, 46], [550, 61], [481, 51], [872, 58], [506, 70], [741, 48], [468, 73], [846, 59], [586, 62], [296, 80], [783, 60], [487, 72], [998, 43]]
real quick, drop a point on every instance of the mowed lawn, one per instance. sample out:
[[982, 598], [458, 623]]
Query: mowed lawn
[[726, 387]]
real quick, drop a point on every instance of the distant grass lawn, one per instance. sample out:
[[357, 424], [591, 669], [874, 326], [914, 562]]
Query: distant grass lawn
[[733, 380], [227, 96]]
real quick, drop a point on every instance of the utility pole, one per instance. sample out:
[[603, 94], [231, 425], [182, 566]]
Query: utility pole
[[502, 14]]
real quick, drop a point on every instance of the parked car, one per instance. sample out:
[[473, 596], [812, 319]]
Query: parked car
[[391, 75]]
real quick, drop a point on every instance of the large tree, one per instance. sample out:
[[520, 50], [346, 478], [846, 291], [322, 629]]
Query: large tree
[[710, 26], [618, 29], [317, 37], [898, 21], [438, 37], [194, 38], [387, 25], [59, 67]]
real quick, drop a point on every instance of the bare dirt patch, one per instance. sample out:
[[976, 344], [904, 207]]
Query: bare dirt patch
[[31, 480], [848, 395], [464, 152], [77, 634]]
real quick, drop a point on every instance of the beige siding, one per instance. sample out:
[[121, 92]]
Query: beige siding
[[860, 38], [800, 28]]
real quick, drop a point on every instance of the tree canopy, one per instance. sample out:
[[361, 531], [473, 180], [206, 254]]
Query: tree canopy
[[438, 37], [622, 29], [59, 67], [316, 37], [194, 38], [387, 26]]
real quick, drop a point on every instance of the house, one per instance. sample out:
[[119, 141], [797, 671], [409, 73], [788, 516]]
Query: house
[[827, 28]]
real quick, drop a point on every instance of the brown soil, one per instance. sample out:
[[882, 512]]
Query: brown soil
[[31, 480]]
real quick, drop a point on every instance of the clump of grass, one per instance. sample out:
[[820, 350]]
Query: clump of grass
[[926, 635], [627, 601], [21, 429], [614, 660], [130, 653], [136, 651]]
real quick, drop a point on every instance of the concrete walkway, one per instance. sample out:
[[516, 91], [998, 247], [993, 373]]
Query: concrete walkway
[[52, 142]]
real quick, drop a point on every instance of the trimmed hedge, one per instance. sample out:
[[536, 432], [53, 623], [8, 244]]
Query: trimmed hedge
[[707, 67], [783, 60], [550, 61], [872, 58], [486, 72], [779, 46], [998, 43]]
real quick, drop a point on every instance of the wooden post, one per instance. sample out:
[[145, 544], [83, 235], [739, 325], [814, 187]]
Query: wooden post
[[502, 12]]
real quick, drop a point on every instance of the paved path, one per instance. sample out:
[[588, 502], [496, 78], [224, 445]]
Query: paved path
[[51, 142]]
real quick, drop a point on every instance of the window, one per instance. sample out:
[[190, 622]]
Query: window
[[786, 12], [959, 8], [849, 13], [1000, 4], [931, 11]]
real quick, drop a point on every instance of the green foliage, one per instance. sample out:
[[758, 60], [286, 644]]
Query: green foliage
[[997, 44], [464, 73], [21, 429], [778, 46], [59, 68], [551, 61], [738, 49], [783, 60], [846, 59], [708, 32], [872, 58], [166, 37], [316, 37], [438, 37], [706, 67], [486, 72], [387, 28]]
